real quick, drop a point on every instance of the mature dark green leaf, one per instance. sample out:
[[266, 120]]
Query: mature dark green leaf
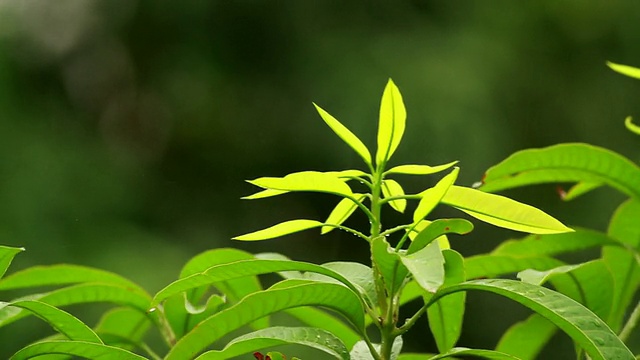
[[587, 330], [388, 264], [361, 276], [122, 327], [321, 319], [554, 244], [526, 339], [87, 350], [483, 266], [438, 228], [6, 256], [426, 266], [362, 352]]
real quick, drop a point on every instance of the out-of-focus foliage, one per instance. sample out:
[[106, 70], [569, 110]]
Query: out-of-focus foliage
[[127, 127]]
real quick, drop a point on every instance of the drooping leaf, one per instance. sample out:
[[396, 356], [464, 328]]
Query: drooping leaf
[[341, 212], [361, 351], [393, 116], [427, 266], [481, 266], [628, 123], [587, 330], [87, 350], [388, 264], [503, 212], [6, 256], [438, 228], [257, 305], [419, 169], [321, 319], [460, 351], [527, 338], [624, 227], [279, 335], [305, 181], [60, 320], [573, 162], [579, 189], [432, 196], [624, 69], [284, 228], [554, 244], [360, 275], [445, 315], [345, 134], [392, 188]]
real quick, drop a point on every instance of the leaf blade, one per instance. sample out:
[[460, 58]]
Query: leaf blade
[[78, 348], [305, 181], [281, 229], [345, 134], [391, 124]]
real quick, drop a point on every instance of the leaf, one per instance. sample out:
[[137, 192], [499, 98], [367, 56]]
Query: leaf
[[573, 162], [392, 188], [87, 350], [305, 181], [257, 305], [361, 351], [628, 123], [393, 116], [433, 196], [624, 227], [284, 228], [388, 264], [481, 266], [554, 244], [341, 213], [345, 134], [279, 335], [526, 339], [624, 69], [445, 315], [419, 169], [361, 276], [321, 319], [264, 194], [61, 321], [347, 175], [438, 228], [503, 212], [584, 327], [6, 256], [123, 324], [579, 189], [486, 354], [426, 266]]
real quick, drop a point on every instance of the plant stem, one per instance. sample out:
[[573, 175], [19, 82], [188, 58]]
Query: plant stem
[[630, 324]]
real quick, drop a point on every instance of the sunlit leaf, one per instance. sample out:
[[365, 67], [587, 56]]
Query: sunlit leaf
[[587, 330], [264, 194], [579, 189], [341, 213], [445, 315], [391, 126], [426, 266], [392, 188], [348, 174], [6, 256], [438, 228], [305, 181], [345, 134], [257, 305], [503, 212], [554, 244], [526, 339], [432, 196], [83, 349], [279, 335], [284, 228], [321, 319], [572, 162], [419, 169], [481, 266], [627, 70], [628, 123]]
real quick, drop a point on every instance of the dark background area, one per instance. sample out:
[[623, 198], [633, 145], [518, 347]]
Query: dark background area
[[127, 128]]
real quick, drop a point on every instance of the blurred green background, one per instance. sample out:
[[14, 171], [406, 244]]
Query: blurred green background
[[127, 127]]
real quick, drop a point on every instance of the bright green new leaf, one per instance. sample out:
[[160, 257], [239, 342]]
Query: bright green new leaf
[[460, 351], [427, 266], [345, 134], [445, 315], [6, 256], [526, 339], [348, 174], [587, 330], [628, 123], [341, 213], [625, 69], [554, 244], [83, 349], [305, 181], [438, 228], [503, 212], [388, 264], [392, 188], [279, 335], [393, 116], [624, 227], [433, 196], [264, 194], [419, 169], [257, 305], [285, 228], [60, 320], [321, 319], [572, 162], [481, 266]]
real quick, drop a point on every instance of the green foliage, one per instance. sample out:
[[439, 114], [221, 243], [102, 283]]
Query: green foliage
[[219, 301]]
